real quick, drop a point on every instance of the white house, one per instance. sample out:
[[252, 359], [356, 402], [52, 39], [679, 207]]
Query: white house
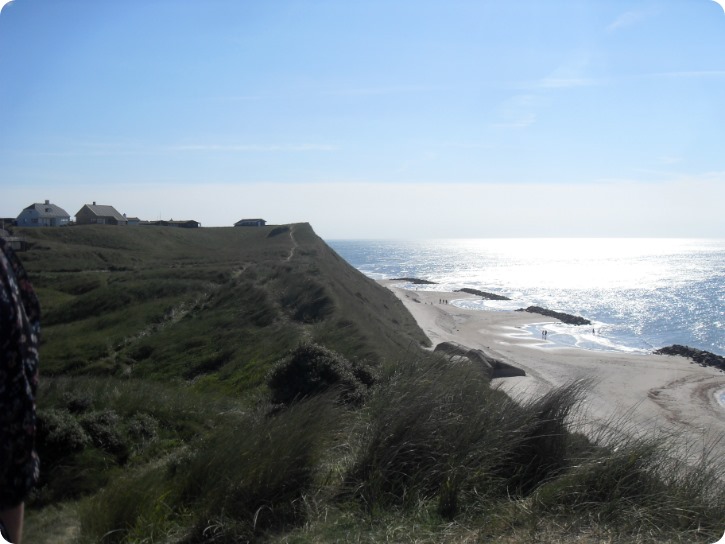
[[43, 215]]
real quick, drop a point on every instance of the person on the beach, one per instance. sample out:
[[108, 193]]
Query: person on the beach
[[19, 331]]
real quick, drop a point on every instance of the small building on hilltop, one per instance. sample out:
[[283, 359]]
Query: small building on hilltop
[[43, 215], [184, 224], [250, 223], [98, 214], [15, 242]]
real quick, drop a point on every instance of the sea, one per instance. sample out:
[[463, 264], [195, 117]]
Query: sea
[[640, 293]]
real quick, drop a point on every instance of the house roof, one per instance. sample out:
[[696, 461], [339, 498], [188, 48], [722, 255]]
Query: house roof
[[48, 210], [100, 210], [250, 221]]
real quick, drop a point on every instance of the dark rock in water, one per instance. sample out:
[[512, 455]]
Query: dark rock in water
[[492, 367], [699, 356], [564, 318], [416, 281], [484, 294]]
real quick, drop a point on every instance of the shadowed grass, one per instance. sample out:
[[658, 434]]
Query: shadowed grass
[[245, 479]]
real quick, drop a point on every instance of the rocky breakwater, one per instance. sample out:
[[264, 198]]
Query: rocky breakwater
[[415, 281], [482, 294], [564, 318], [704, 358], [493, 367]]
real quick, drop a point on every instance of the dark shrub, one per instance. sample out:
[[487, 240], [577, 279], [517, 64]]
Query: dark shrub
[[104, 430], [59, 434], [311, 369], [143, 428], [77, 403]]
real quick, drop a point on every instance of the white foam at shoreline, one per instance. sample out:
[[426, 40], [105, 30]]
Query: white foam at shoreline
[[560, 334], [720, 398]]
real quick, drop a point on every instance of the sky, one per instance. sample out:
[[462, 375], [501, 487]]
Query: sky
[[377, 119]]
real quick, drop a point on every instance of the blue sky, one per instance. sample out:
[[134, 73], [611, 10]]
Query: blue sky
[[389, 119]]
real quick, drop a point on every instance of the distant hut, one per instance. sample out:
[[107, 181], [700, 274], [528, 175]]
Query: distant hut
[[182, 224], [43, 215], [250, 223], [15, 242], [98, 214]]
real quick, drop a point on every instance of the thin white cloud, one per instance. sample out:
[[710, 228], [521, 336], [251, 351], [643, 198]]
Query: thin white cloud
[[522, 121], [565, 82], [389, 90], [247, 148], [688, 74], [568, 74], [669, 159], [239, 98], [517, 112], [119, 149], [626, 19]]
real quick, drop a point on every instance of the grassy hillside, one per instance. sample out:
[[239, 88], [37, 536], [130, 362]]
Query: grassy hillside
[[247, 385], [210, 305]]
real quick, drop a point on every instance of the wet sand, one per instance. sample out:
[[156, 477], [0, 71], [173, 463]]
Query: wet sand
[[645, 392]]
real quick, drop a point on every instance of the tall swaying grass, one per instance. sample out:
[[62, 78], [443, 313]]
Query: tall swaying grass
[[435, 445], [642, 484], [439, 431], [251, 476]]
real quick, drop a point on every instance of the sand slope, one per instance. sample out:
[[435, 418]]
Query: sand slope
[[647, 392]]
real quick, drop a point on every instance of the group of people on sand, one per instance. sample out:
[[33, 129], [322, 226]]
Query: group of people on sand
[[442, 301]]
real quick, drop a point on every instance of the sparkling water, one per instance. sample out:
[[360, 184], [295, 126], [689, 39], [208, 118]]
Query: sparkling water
[[640, 294]]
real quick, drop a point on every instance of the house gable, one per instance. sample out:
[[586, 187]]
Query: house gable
[[98, 214], [43, 215]]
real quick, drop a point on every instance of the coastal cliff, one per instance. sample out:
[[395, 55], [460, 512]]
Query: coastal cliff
[[220, 304]]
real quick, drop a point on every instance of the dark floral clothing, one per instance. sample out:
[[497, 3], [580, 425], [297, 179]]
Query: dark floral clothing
[[19, 334]]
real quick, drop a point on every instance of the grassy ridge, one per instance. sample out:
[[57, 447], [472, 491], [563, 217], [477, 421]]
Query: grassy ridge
[[203, 303], [247, 385]]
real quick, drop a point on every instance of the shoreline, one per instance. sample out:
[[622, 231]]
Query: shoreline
[[649, 392]]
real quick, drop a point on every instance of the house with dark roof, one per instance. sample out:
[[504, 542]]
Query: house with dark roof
[[43, 215], [250, 223], [99, 214]]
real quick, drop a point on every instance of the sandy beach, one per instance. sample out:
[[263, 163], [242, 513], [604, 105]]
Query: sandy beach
[[644, 391]]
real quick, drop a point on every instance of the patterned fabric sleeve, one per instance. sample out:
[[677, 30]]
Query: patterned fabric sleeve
[[19, 335]]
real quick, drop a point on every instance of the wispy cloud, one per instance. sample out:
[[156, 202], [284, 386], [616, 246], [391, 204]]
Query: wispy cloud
[[565, 82], [568, 74], [688, 74], [669, 159], [626, 19], [253, 148], [238, 98], [118, 149], [522, 121], [385, 90], [517, 112]]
